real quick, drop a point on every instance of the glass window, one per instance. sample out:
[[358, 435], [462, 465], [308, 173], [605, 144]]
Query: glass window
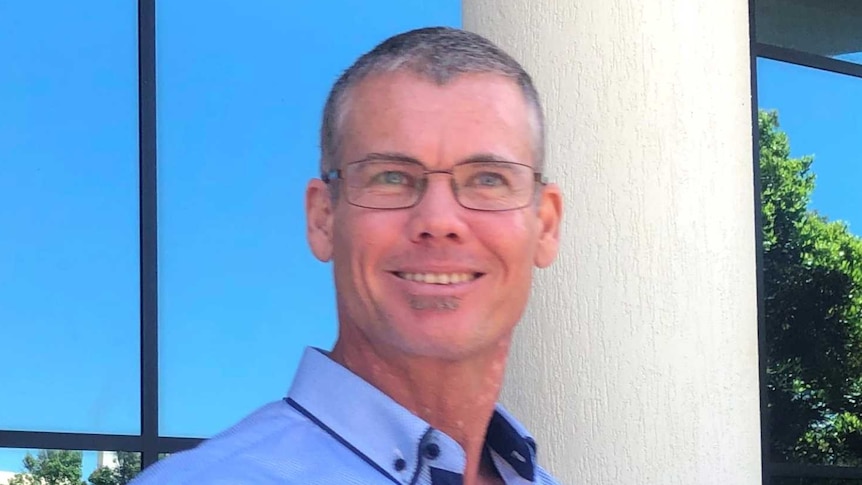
[[240, 92], [69, 315], [810, 140], [831, 28]]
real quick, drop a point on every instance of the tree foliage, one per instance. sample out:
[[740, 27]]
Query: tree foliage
[[813, 312], [51, 467], [61, 467], [128, 465]]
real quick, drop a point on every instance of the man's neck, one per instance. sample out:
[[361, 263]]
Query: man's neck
[[457, 397]]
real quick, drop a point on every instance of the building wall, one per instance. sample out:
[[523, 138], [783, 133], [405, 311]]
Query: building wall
[[637, 360]]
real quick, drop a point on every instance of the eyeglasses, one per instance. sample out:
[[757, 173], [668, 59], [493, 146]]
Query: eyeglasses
[[400, 184]]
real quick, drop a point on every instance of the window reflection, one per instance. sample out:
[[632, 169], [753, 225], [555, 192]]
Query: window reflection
[[69, 216], [809, 133]]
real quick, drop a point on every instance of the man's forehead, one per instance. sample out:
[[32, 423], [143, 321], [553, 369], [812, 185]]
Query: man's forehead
[[406, 113], [384, 85], [403, 100]]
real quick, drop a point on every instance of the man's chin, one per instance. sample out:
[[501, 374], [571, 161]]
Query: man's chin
[[434, 303], [441, 340]]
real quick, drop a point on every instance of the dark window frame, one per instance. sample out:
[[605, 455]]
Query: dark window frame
[[771, 469]]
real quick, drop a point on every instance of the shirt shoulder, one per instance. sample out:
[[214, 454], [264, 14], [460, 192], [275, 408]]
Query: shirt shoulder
[[272, 445]]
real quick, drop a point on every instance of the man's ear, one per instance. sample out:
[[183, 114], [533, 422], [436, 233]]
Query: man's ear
[[319, 215], [550, 214]]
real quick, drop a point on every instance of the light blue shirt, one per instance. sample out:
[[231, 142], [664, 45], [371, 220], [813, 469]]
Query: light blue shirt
[[334, 428]]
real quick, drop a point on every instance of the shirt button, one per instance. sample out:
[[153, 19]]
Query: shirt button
[[432, 451], [400, 464]]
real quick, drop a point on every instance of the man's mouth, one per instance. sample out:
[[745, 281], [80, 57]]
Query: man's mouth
[[438, 278]]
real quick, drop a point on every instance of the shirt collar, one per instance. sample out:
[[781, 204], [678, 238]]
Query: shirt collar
[[380, 430]]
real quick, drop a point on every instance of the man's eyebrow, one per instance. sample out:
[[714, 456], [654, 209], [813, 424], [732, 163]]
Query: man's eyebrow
[[403, 157], [391, 156], [486, 157]]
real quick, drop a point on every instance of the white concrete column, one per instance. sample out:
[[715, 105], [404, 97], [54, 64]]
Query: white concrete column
[[637, 360]]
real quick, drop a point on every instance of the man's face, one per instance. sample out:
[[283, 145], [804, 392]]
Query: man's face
[[389, 264]]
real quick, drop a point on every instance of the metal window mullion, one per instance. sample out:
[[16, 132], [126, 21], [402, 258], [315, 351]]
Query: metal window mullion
[[807, 59], [766, 478], [69, 441], [148, 231], [798, 470], [174, 445]]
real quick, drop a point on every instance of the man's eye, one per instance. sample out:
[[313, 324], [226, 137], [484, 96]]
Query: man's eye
[[489, 179], [392, 177]]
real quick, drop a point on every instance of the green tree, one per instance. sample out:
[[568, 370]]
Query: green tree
[[51, 467], [813, 314], [102, 476], [128, 466]]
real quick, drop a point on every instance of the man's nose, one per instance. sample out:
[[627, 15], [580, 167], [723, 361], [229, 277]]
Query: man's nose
[[438, 216]]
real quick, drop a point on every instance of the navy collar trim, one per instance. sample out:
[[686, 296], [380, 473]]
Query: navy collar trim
[[445, 477], [512, 445], [321, 383], [340, 439]]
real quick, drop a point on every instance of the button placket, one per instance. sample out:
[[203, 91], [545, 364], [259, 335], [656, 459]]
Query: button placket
[[440, 456]]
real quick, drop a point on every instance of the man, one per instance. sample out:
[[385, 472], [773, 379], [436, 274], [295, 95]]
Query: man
[[432, 208]]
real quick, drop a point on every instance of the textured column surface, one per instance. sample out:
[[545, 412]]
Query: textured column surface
[[637, 360]]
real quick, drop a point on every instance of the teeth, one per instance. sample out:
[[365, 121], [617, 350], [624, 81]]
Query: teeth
[[438, 278]]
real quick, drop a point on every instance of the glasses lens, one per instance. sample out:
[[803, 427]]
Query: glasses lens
[[494, 185], [383, 184]]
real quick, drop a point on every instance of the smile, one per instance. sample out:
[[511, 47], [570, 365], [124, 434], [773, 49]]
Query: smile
[[438, 278]]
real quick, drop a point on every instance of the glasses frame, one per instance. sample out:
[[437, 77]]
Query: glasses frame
[[338, 174]]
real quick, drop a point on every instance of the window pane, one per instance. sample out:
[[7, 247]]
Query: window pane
[[240, 294], [69, 217], [67, 467], [812, 221], [830, 28]]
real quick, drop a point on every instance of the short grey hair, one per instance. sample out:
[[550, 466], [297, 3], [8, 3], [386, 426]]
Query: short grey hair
[[439, 54]]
